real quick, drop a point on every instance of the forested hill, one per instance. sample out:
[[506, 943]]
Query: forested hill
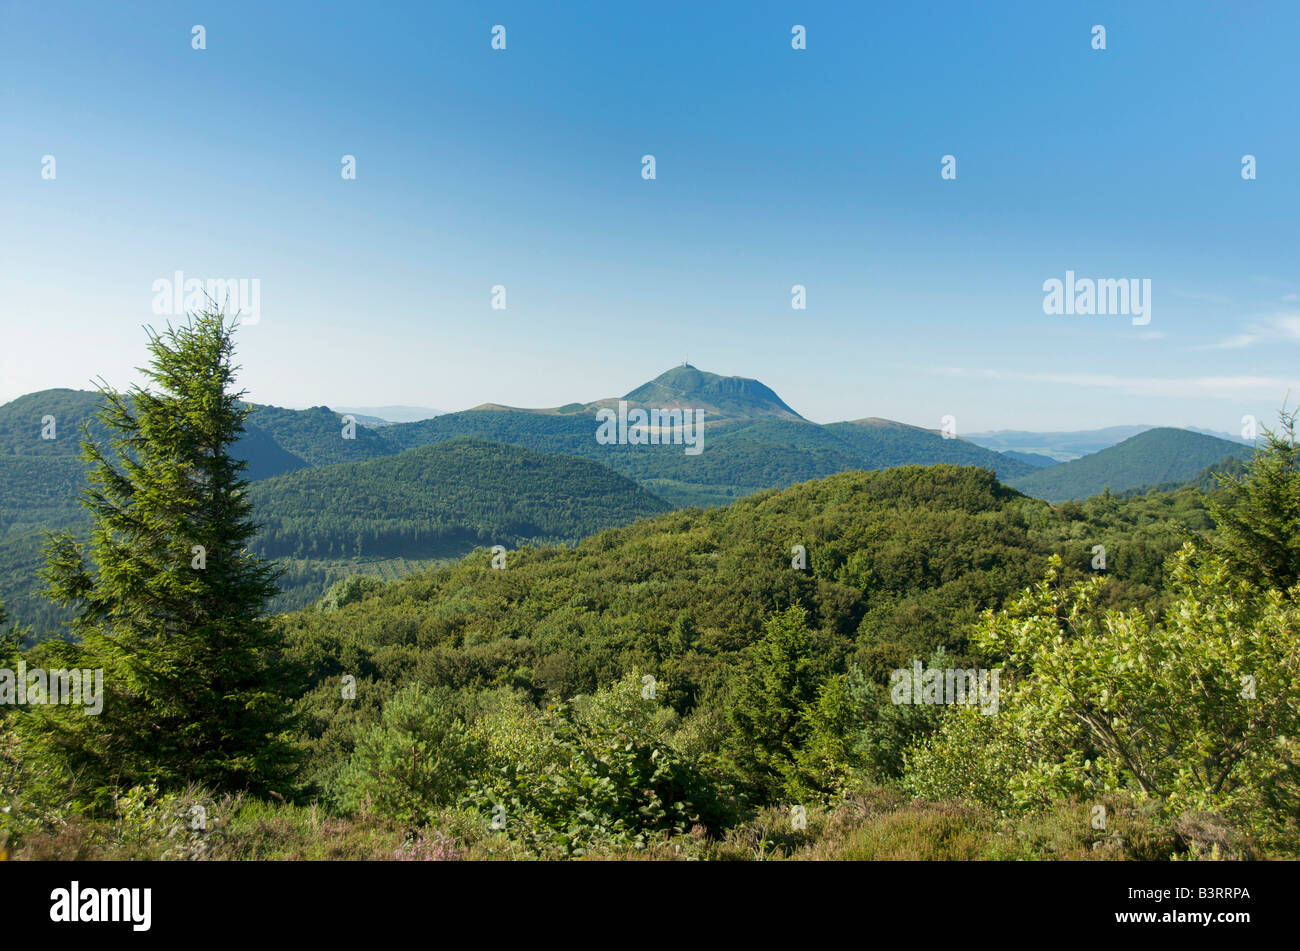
[[1157, 456], [740, 456], [753, 441], [443, 499], [276, 440], [899, 562]]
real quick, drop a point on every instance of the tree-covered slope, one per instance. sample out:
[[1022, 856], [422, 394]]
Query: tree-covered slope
[[1207, 480], [21, 422], [1154, 457], [426, 504], [882, 443], [898, 562], [316, 435], [276, 439], [739, 456], [440, 499]]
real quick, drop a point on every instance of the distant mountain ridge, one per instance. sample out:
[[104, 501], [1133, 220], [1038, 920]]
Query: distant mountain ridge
[[1154, 457], [727, 397], [755, 440], [397, 491], [383, 415], [1065, 446], [722, 398]]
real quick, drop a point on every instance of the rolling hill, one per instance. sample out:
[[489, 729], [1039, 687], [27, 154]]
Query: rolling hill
[[899, 562], [1058, 446], [396, 497], [1152, 457], [753, 440], [443, 500], [407, 510]]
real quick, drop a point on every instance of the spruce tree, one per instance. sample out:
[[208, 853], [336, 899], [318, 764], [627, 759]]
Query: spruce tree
[[1258, 514], [10, 641], [767, 706], [169, 601]]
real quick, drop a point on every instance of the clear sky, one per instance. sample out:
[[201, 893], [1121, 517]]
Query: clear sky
[[774, 167]]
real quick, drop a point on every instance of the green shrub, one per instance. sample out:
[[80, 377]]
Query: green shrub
[[419, 756], [600, 772], [1198, 713]]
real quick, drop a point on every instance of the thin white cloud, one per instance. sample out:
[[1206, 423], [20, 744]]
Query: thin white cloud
[[1284, 326], [1256, 387], [1201, 296], [1235, 342], [1287, 325]]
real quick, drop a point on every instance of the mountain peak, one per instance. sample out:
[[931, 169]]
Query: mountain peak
[[734, 397]]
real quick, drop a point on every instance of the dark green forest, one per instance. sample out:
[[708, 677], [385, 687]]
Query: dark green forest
[[440, 500]]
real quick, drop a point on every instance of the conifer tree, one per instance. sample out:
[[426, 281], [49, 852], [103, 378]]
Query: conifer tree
[[10, 640], [1259, 514], [824, 766], [169, 601], [766, 711]]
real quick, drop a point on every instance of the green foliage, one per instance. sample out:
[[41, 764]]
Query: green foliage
[[826, 763], [769, 707], [886, 729], [192, 690], [1196, 712], [899, 564], [598, 772], [418, 757], [443, 499], [1259, 513], [349, 590]]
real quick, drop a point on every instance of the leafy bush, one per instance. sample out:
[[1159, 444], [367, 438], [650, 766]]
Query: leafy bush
[[598, 772], [348, 590], [1198, 712]]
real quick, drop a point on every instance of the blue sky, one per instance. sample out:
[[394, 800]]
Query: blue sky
[[774, 167]]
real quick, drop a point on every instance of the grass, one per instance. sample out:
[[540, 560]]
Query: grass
[[874, 824]]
